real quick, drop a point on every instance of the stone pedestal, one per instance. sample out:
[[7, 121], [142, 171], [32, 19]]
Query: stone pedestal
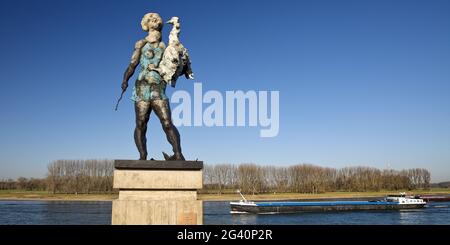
[[157, 193]]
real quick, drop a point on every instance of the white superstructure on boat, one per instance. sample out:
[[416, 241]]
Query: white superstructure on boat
[[403, 199]]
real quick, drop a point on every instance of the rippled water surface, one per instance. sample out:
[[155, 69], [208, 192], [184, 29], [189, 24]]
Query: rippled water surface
[[215, 213]]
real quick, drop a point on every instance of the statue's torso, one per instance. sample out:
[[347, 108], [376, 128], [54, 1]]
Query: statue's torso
[[149, 84]]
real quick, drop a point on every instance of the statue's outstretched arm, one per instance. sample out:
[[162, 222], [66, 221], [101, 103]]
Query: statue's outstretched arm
[[133, 63]]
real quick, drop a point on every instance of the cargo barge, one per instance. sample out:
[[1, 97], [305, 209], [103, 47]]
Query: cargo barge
[[392, 202], [435, 198]]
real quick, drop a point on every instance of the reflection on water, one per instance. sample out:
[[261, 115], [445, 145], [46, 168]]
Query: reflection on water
[[54, 212], [218, 213], [435, 213]]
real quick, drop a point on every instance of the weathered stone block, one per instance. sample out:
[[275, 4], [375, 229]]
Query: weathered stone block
[[158, 179], [142, 212], [186, 195], [157, 193]]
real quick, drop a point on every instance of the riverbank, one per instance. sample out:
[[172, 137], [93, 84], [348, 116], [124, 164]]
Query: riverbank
[[46, 196], [327, 195]]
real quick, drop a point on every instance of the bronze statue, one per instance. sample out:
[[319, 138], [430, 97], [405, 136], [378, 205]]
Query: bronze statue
[[159, 66]]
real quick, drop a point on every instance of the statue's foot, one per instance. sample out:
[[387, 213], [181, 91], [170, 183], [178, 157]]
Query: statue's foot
[[174, 157]]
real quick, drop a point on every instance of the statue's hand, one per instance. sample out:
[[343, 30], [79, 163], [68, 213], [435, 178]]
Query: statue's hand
[[124, 85], [151, 67]]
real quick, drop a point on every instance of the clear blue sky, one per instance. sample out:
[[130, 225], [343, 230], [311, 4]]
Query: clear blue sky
[[361, 82]]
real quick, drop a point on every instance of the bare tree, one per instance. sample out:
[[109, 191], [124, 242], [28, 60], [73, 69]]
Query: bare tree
[[96, 176]]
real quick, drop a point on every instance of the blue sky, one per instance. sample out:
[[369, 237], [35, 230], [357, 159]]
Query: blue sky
[[361, 82]]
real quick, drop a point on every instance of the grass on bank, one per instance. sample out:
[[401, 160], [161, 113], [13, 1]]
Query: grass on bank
[[230, 196], [337, 194], [45, 195]]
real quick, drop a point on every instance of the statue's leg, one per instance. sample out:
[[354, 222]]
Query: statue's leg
[[162, 110], [142, 110]]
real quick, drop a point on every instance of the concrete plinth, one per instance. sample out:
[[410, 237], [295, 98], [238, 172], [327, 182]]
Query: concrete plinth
[[157, 193]]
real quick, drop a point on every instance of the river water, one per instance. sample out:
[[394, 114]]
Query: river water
[[215, 213]]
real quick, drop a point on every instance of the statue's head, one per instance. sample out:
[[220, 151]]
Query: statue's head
[[152, 22]]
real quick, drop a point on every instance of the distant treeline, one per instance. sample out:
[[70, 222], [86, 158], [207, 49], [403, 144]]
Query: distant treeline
[[80, 176], [22, 183], [441, 185], [96, 176], [69, 176], [307, 178]]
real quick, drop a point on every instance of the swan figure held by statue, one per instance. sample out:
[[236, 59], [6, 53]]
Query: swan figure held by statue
[[175, 60]]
